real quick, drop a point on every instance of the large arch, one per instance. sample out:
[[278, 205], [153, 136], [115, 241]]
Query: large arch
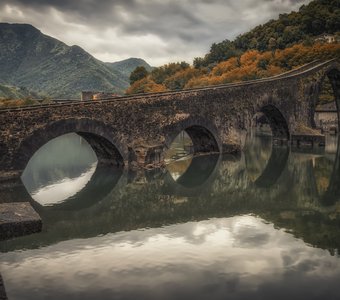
[[333, 74], [105, 142], [203, 133]]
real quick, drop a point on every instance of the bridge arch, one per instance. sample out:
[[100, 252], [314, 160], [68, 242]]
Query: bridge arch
[[105, 142], [332, 72], [277, 121], [203, 133]]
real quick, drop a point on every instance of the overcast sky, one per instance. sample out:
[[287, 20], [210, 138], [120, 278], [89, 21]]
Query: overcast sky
[[159, 31]]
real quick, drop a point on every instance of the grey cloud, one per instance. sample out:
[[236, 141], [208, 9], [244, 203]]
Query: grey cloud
[[179, 29]]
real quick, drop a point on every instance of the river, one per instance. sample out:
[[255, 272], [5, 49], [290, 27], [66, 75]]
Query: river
[[261, 225]]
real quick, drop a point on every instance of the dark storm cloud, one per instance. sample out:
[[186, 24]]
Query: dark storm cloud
[[157, 30]]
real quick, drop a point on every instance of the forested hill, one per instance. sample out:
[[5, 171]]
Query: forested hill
[[312, 20], [279, 45], [128, 65], [48, 67]]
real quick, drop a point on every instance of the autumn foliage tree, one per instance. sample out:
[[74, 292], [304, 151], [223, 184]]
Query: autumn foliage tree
[[251, 65], [138, 74], [145, 85]]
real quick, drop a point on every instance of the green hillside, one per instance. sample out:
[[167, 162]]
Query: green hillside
[[128, 65], [13, 92], [49, 67]]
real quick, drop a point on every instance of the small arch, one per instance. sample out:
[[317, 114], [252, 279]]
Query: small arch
[[202, 133], [277, 122], [101, 137]]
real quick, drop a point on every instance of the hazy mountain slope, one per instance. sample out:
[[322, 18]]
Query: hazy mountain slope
[[43, 64], [12, 92], [128, 65]]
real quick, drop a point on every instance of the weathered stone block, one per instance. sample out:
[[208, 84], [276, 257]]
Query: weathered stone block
[[18, 219]]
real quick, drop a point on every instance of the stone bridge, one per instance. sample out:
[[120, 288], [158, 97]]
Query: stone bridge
[[136, 130]]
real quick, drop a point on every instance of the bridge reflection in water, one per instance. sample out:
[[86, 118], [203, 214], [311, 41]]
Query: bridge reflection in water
[[264, 185]]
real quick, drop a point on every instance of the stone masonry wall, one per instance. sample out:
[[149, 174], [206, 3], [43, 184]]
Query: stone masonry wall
[[141, 127]]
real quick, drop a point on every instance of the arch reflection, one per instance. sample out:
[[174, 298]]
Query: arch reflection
[[274, 168], [332, 193], [64, 173], [265, 162], [197, 177], [101, 183]]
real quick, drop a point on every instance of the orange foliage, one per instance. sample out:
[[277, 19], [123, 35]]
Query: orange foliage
[[253, 64], [17, 102], [225, 66], [181, 78], [145, 85], [249, 66], [249, 57]]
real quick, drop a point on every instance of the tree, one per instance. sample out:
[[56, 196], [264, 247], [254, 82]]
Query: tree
[[138, 74], [160, 74]]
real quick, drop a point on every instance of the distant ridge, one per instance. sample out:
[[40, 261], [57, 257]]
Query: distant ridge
[[47, 66], [126, 66]]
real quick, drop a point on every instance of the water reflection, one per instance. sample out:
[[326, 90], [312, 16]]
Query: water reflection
[[257, 153], [209, 232], [243, 257], [59, 169], [62, 189]]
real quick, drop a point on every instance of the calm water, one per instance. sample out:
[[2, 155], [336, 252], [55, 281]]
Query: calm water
[[264, 225]]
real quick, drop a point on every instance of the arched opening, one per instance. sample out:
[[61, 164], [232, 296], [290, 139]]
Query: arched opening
[[326, 115], [184, 160], [107, 147], [266, 150], [179, 155], [277, 123], [260, 125], [68, 169]]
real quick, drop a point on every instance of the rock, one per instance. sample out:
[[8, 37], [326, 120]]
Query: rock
[[17, 219]]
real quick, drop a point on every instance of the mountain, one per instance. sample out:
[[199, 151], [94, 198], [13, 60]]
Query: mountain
[[13, 92], [128, 65], [49, 67]]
